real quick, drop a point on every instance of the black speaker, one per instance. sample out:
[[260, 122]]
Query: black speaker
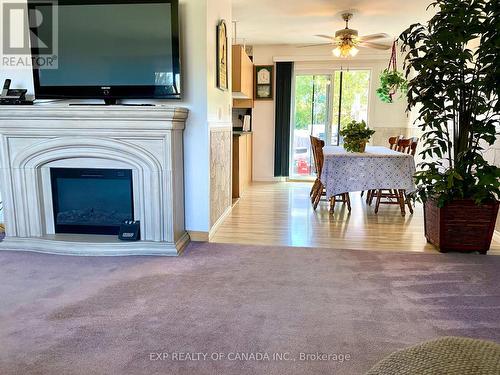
[[130, 231]]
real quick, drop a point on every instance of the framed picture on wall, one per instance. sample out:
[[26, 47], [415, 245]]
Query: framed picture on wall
[[222, 72], [264, 82]]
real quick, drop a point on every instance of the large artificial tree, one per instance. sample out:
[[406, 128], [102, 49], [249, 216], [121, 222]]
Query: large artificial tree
[[453, 68]]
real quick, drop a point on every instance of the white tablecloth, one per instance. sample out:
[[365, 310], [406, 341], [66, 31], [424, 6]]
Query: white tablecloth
[[377, 168]]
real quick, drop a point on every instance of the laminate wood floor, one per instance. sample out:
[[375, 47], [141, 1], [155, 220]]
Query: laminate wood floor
[[281, 214]]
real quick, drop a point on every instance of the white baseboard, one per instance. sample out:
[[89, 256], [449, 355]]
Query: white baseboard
[[217, 224], [269, 179], [199, 236]]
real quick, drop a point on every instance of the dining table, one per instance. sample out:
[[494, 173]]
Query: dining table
[[376, 168]]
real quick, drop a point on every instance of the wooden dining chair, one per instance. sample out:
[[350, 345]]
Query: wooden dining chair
[[400, 144], [404, 145], [384, 196], [394, 141], [397, 144], [318, 189], [393, 145], [413, 146]]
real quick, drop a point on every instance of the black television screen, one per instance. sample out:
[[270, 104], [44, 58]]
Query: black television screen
[[109, 49]]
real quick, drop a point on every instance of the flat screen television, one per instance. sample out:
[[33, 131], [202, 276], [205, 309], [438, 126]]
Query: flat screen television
[[108, 49]]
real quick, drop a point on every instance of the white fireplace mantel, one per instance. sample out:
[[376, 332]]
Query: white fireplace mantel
[[145, 139]]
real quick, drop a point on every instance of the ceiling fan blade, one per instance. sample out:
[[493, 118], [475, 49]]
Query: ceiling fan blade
[[325, 36], [375, 45], [367, 38], [315, 45]]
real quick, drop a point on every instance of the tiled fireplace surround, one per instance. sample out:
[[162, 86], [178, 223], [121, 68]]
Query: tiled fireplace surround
[[147, 140]]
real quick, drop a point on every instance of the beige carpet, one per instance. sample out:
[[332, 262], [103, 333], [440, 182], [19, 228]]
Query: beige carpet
[[324, 311]]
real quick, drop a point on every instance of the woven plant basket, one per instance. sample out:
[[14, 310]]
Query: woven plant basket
[[460, 225]]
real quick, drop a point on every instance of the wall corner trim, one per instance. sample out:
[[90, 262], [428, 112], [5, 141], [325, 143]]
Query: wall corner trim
[[218, 223]]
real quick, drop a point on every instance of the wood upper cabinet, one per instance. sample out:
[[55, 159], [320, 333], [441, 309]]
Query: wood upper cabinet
[[242, 74]]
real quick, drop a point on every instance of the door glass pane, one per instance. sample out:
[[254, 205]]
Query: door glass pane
[[350, 100], [320, 115], [312, 101]]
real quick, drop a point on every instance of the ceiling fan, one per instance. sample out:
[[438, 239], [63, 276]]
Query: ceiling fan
[[347, 40]]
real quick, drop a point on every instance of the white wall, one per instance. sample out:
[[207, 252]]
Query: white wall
[[380, 117], [219, 101], [21, 77], [219, 115], [198, 21], [208, 105], [193, 25]]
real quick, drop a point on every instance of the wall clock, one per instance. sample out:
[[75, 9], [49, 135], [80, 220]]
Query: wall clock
[[264, 82], [264, 77]]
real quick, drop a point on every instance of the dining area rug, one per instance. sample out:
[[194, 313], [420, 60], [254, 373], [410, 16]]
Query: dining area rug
[[226, 309]]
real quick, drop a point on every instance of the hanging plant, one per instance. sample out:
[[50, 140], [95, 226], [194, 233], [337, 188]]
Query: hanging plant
[[391, 81]]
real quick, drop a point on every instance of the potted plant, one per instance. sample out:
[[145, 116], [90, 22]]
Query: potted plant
[[356, 135], [455, 68], [391, 81]]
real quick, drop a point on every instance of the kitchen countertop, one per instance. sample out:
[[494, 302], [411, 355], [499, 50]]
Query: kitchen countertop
[[240, 133]]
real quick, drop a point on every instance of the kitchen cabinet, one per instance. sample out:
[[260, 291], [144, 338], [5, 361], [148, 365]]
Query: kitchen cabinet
[[242, 77], [242, 162]]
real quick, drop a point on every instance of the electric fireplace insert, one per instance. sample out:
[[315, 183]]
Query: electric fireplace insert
[[91, 201]]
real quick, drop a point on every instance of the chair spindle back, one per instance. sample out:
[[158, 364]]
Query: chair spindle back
[[404, 146], [393, 142], [413, 146], [317, 149]]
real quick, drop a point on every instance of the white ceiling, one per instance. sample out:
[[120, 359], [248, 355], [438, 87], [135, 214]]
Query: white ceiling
[[297, 21]]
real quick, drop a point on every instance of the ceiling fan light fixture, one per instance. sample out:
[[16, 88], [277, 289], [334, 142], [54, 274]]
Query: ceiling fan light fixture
[[345, 50], [353, 51], [346, 34], [347, 40]]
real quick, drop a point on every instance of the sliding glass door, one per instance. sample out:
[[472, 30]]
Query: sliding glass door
[[322, 104], [312, 105], [350, 99]]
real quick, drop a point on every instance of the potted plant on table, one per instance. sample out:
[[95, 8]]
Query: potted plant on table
[[454, 63], [356, 136]]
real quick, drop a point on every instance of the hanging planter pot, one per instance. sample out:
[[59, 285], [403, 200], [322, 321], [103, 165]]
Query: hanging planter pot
[[391, 81]]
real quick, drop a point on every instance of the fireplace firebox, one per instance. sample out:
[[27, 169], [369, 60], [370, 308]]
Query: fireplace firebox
[[91, 201]]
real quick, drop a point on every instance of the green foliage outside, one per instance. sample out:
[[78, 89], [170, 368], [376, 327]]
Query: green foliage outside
[[356, 135], [305, 114], [355, 84], [456, 91]]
